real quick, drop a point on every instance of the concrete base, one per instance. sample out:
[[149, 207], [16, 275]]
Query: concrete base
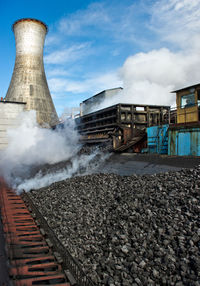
[[9, 112]]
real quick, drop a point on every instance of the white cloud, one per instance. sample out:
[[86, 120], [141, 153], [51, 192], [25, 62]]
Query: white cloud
[[94, 15], [51, 39], [177, 21], [57, 72], [110, 21], [148, 78], [91, 84], [67, 55]]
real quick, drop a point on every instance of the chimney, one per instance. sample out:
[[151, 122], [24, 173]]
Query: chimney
[[28, 83]]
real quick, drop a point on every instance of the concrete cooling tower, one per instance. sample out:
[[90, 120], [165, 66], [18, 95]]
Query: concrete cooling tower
[[28, 83]]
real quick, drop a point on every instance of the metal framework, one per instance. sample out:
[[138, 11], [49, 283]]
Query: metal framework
[[121, 124]]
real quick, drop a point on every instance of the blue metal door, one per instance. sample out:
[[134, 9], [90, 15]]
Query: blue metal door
[[183, 144]]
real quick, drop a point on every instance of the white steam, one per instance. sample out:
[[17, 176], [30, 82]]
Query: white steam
[[30, 147], [29, 144], [149, 78], [80, 165]]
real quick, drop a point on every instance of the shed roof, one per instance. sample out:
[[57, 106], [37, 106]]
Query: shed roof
[[187, 87]]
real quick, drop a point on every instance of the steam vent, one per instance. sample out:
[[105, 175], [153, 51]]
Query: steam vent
[[28, 83]]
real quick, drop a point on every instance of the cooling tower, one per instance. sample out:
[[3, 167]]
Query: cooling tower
[[28, 83]]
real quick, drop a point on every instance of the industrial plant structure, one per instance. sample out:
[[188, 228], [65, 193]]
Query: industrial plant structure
[[28, 83], [123, 126], [145, 128], [182, 137]]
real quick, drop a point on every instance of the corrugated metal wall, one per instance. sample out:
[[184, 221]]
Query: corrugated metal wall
[[184, 141]]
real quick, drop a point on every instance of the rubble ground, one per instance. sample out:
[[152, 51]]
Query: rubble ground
[[129, 230]]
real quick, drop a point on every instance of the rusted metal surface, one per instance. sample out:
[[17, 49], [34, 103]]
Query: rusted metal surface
[[184, 140], [31, 259], [4, 275], [120, 123]]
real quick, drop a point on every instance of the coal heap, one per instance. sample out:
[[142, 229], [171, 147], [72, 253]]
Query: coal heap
[[133, 230]]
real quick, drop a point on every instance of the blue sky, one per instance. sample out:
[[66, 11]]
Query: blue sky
[[148, 47]]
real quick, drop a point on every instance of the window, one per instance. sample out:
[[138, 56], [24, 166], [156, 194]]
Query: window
[[198, 97], [31, 89], [187, 100], [139, 108]]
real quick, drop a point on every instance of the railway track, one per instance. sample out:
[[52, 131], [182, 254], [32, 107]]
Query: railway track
[[36, 256]]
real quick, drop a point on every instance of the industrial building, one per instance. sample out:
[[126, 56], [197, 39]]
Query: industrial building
[[91, 104], [145, 128], [123, 126], [28, 89], [184, 137], [181, 138], [9, 112]]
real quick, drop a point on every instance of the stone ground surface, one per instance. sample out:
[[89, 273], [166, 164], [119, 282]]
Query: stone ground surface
[[130, 230]]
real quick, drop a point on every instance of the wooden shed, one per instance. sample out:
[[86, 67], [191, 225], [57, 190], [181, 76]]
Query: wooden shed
[[188, 103]]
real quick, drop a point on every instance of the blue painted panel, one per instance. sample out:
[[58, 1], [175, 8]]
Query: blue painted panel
[[157, 138], [183, 144], [152, 133], [163, 140], [184, 141]]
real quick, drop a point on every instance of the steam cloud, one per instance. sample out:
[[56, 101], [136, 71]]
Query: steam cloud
[[149, 78], [31, 146], [80, 165]]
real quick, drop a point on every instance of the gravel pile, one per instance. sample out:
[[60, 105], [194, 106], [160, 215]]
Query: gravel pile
[[135, 230]]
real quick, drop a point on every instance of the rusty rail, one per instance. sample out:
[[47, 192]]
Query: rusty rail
[[32, 260]]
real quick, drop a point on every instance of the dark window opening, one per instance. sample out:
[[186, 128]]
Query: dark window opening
[[31, 89], [198, 97], [187, 100]]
